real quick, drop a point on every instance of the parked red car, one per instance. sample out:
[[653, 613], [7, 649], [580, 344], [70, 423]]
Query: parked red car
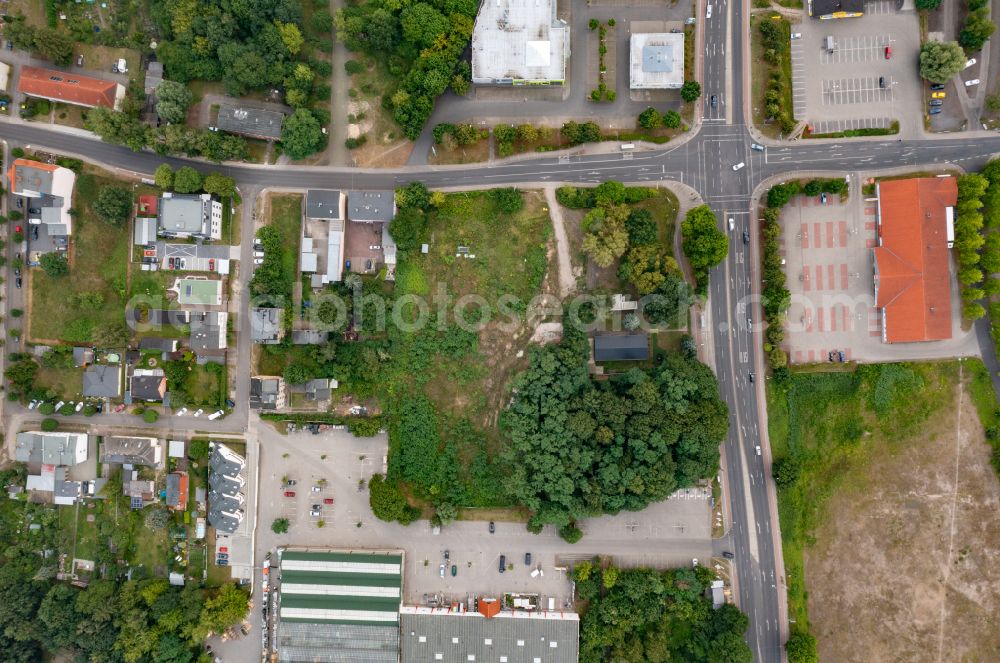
[[888, 52], [328, 500], [211, 264], [289, 493], [18, 229]]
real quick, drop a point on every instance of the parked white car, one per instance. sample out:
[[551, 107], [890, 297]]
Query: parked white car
[[708, 13], [974, 81], [796, 35], [738, 166], [79, 406], [198, 413], [970, 62], [181, 412]]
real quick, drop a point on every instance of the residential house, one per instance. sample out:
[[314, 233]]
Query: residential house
[[70, 88], [190, 215], [371, 206], [621, 347], [318, 389], [177, 491], [132, 451], [147, 384], [226, 480], [323, 236], [102, 381], [208, 332], [252, 122], [141, 492], [267, 393], [48, 455], [267, 325], [175, 449], [49, 189]]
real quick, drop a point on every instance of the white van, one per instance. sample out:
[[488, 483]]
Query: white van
[[708, 13], [215, 415]]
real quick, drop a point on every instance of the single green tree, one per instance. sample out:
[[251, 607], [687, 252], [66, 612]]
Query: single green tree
[[187, 180], [939, 61], [690, 91]]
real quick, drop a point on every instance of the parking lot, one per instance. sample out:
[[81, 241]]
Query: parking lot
[[829, 265], [669, 533], [839, 88]]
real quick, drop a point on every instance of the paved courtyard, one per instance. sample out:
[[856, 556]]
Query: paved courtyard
[[840, 89], [829, 265]]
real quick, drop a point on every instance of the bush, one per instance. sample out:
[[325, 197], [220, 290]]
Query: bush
[[46, 408], [650, 118], [280, 525], [150, 416], [49, 424], [364, 426], [386, 500], [570, 533], [507, 200], [354, 67], [690, 91]]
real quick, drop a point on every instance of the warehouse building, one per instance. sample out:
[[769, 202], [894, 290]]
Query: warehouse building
[[339, 606], [519, 42], [435, 634]]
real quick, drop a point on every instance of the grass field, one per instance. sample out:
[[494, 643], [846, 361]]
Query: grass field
[[67, 382], [286, 218], [871, 448], [98, 263]]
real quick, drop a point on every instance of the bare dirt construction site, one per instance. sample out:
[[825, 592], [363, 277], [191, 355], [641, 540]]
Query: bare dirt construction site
[[905, 564]]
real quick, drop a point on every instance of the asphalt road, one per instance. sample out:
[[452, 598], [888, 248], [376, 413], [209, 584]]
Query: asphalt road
[[703, 162]]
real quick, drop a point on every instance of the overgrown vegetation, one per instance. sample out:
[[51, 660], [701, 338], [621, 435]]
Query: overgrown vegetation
[[824, 426], [656, 616], [635, 438], [421, 42]]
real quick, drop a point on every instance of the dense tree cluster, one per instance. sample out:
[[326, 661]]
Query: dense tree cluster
[[114, 204], [109, 621], [420, 41], [47, 42], [978, 27], [269, 276], [939, 61], [705, 246], [582, 448], [124, 128], [656, 616], [653, 119]]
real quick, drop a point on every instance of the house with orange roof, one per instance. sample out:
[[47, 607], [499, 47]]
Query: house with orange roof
[[70, 88], [50, 190], [912, 275]]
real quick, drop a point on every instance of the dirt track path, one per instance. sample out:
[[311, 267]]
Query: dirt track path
[[566, 281]]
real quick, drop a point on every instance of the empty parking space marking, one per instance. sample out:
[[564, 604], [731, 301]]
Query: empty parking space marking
[[833, 126], [818, 235], [857, 90], [829, 234], [843, 276], [819, 320], [819, 283], [877, 7], [842, 230], [805, 279], [856, 48]]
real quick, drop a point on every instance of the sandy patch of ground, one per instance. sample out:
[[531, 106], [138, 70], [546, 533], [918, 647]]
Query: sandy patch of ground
[[905, 566]]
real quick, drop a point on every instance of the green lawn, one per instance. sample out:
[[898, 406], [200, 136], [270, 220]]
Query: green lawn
[[829, 424], [98, 264], [67, 382], [205, 387], [286, 218]]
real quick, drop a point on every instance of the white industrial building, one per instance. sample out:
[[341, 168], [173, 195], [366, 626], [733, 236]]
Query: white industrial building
[[656, 61], [519, 42]]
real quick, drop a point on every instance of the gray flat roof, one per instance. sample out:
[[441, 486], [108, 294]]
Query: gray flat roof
[[323, 204], [371, 205], [621, 347], [524, 638], [254, 122], [183, 213]]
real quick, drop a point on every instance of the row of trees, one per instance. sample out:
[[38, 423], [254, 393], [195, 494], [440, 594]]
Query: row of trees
[[970, 242], [127, 129], [776, 38], [653, 119], [421, 43], [188, 180], [581, 448], [977, 27], [656, 616]]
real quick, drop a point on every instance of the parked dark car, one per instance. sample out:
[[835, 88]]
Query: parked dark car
[[34, 233], [934, 111], [20, 203], [830, 355], [493, 528], [17, 281], [727, 554], [841, 355], [750, 376], [34, 210], [454, 570], [937, 87], [503, 563], [447, 555], [746, 236], [713, 101], [527, 559]]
